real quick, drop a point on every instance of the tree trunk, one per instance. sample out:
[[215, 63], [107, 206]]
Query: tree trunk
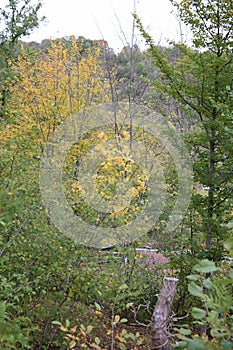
[[160, 318]]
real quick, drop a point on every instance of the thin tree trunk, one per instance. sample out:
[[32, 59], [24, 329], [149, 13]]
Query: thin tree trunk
[[160, 319]]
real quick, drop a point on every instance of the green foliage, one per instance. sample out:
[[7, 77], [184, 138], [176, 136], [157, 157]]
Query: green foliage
[[13, 329], [18, 19], [198, 80], [215, 311], [134, 73], [228, 244], [95, 296], [203, 18]]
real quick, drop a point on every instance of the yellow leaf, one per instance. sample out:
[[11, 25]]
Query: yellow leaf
[[98, 312], [73, 330], [72, 344], [89, 329], [102, 136], [117, 319], [64, 329], [126, 135]]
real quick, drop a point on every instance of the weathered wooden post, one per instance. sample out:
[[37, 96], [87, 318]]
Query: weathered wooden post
[[160, 317]]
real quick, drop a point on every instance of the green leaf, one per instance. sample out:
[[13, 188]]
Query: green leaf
[[196, 344], [207, 283], [195, 290], [228, 244], [56, 323], [97, 340], [231, 273], [226, 345], [184, 331], [2, 223], [206, 266], [193, 277], [123, 286], [198, 313], [98, 307], [129, 305], [213, 316], [124, 320], [182, 345], [218, 334]]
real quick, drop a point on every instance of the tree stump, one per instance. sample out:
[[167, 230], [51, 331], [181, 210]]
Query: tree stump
[[160, 317]]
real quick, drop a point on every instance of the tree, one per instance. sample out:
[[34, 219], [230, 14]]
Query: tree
[[200, 81], [18, 19], [133, 83], [53, 85], [48, 87]]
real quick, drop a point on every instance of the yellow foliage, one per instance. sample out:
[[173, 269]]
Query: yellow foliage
[[52, 86], [102, 136]]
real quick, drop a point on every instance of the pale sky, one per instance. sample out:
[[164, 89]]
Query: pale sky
[[106, 19]]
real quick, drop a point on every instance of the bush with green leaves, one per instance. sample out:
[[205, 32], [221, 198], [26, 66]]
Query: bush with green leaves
[[212, 288], [13, 331]]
